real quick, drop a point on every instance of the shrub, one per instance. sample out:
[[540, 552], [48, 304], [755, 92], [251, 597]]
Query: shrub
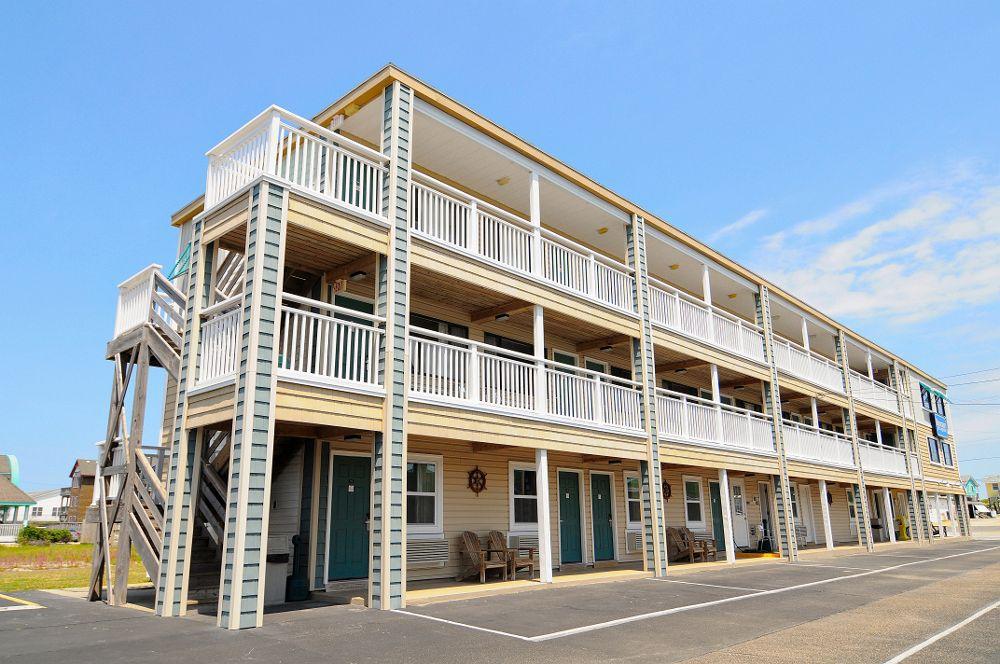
[[34, 534]]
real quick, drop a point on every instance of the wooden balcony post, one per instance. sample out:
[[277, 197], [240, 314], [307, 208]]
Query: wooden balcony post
[[825, 508], [727, 516], [472, 228], [538, 330], [535, 217], [890, 519], [544, 516]]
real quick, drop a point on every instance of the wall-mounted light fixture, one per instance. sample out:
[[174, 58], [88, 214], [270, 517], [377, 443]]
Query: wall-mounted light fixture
[[358, 275], [501, 317], [607, 349]]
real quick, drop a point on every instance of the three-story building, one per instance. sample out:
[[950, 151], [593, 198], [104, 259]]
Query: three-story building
[[396, 323]]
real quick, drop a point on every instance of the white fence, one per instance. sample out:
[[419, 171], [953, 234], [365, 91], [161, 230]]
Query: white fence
[[808, 443], [149, 297], [700, 421], [680, 312], [450, 217], [301, 153], [458, 371], [221, 334], [810, 366], [327, 343], [873, 392], [9, 532], [880, 459]]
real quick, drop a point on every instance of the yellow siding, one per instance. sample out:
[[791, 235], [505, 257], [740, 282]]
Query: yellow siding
[[210, 407], [693, 455], [932, 471], [368, 235], [296, 402]]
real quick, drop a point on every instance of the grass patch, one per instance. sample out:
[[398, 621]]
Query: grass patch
[[39, 567]]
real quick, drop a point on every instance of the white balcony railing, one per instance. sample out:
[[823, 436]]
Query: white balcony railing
[[221, 334], [810, 366], [462, 372], [450, 217], [329, 344], [678, 311], [873, 392], [881, 459], [9, 532], [149, 297], [703, 422], [808, 443], [303, 154]]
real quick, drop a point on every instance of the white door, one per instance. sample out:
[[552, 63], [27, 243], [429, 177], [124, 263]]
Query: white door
[[741, 530], [806, 512]]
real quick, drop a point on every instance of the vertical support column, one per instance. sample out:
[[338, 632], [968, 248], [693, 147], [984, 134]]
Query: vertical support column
[[535, 217], [814, 408], [177, 521], [785, 526], [805, 334], [643, 370], [544, 516], [241, 587], [925, 517], [851, 428], [727, 516], [387, 565], [900, 383], [538, 339], [825, 509], [890, 519]]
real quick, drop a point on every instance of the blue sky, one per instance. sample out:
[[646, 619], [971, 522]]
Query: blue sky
[[850, 153]]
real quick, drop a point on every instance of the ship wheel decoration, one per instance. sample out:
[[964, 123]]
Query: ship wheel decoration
[[477, 480], [667, 491]]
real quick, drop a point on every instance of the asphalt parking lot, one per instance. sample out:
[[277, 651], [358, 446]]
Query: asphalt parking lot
[[830, 607]]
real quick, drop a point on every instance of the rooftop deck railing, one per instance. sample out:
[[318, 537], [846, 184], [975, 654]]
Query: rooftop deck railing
[[877, 458], [676, 310], [303, 154], [702, 422], [462, 372], [873, 392], [448, 216], [808, 365], [807, 443], [149, 297]]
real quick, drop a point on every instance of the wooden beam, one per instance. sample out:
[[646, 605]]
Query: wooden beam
[[680, 364], [364, 264], [598, 344], [490, 313], [739, 382]]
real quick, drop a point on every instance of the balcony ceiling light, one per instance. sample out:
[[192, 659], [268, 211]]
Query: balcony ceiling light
[[607, 349], [674, 266], [501, 317], [602, 230], [680, 371], [503, 181], [352, 437], [358, 275], [732, 296]]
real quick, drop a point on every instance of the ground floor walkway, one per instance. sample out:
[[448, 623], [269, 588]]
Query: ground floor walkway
[[845, 605]]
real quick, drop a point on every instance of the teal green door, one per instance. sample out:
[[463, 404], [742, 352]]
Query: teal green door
[[717, 528], [349, 520], [602, 509], [570, 549]]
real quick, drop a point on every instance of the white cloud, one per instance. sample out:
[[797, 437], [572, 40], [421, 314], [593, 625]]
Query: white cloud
[[929, 250], [746, 220]]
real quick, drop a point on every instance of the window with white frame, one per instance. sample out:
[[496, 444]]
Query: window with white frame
[[424, 495], [523, 497], [36, 511], [694, 507], [633, 500], [946, 453]]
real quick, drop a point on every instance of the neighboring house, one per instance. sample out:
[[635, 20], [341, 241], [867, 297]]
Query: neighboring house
[[971, 486], [398, 323], [992, 484], [49, 507], [81, 491], [14, 503]]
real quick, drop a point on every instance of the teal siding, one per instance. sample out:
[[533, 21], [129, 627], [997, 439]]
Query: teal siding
[[387, 546], [650, 469], [177, 518]]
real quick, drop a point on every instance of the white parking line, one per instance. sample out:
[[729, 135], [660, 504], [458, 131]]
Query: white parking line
[[690, 607], [854, 569], [19, 604], [707, 585], [940, 635]]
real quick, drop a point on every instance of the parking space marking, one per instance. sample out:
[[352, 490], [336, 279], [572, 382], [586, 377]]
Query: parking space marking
[[707, 585], [855, 569], [690, 607], [943, 633], [19, 604]]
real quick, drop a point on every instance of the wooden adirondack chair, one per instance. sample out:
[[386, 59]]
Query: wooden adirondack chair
[[515, 561], [682, 544], [697, 545], [708, 546], [479, 559]]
